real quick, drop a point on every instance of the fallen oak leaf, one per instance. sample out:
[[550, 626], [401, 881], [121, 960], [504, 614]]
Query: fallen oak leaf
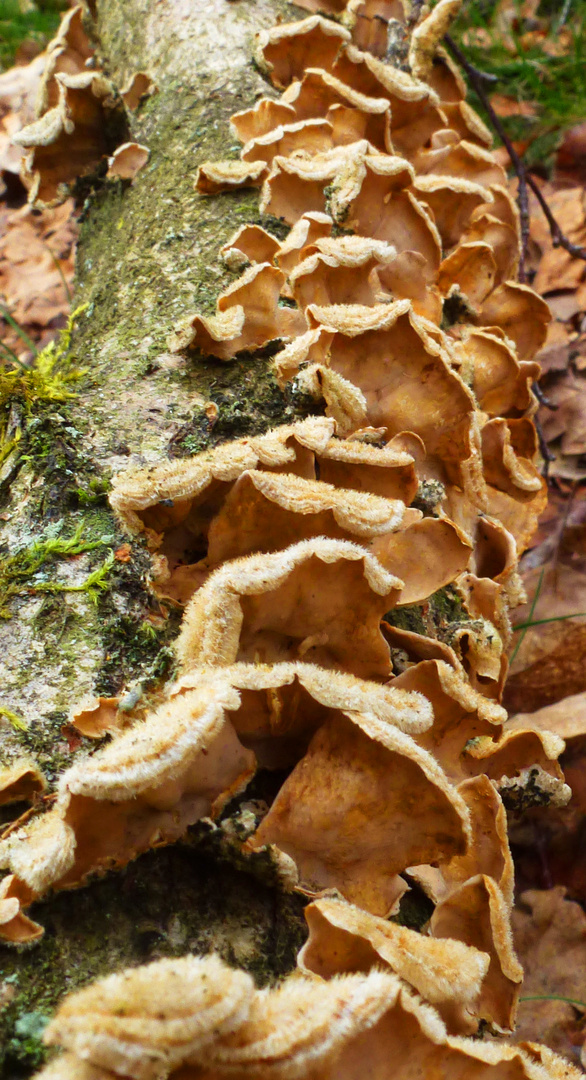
[[550, 937]]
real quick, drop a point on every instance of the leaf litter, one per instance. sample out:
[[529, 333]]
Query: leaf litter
[[546, 685], [37, 247]]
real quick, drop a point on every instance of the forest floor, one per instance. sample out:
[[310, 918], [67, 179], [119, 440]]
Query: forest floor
[[536, 52]]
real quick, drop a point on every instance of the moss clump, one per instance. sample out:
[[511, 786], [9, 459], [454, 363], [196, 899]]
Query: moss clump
[[249, 400], [50, 378], [53, 446], [25, 1047], [408, 618], [429, 494], [135, 631], [13, 718], [95, 493], [20, 573], [448, 606], [37, 431], [439, 617], [134, 649], [47, 745], [456, 309], [415, 909]]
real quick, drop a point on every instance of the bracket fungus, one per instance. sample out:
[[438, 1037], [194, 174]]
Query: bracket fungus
[[347, 582], [344, 939], [138, 1025], [68, 140], [71, 132], [21, 780], [127, 160]]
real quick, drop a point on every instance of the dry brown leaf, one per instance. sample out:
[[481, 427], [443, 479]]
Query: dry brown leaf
[[504, 105], [566, 718], [549, 665], [568, 421], [550, 938], [557, 269], [31, 283], [557, 673], [559, 344]]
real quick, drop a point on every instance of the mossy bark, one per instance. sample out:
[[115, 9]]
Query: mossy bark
[[147, 256]]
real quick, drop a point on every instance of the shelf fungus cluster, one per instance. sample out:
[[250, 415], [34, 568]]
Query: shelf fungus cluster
[[78, 116], [197, 1019], [347, 582]]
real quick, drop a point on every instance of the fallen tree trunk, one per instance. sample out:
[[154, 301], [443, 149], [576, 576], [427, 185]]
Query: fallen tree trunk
[[148, 254]]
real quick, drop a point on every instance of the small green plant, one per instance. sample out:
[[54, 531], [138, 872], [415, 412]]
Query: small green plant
[[555, 997], [26, 1044], [527, 69], [95, 494], [38, 24], [18, 571], [524, 627], [13, 718], [50, 378]]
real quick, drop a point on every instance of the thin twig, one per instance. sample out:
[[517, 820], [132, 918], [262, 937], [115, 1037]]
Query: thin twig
[[564, 15], [524, 178], [486, 76], [558, 545], [544, 450], [543, 398], [559, 238], [12, 826]]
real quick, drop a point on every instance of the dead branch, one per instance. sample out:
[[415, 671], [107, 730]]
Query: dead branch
[[478, 79]]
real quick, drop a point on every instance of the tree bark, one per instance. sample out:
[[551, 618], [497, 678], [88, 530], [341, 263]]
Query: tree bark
[[148, 254]]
